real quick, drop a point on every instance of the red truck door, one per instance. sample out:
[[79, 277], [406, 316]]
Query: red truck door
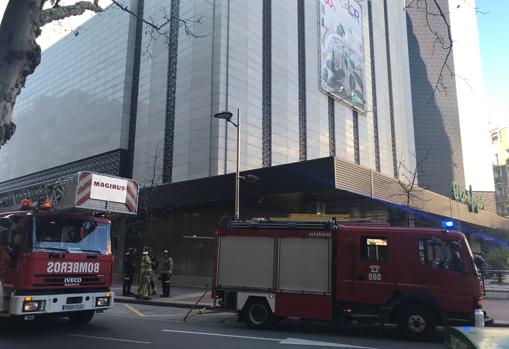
[[441, 271], [10, 239], [373, 266]]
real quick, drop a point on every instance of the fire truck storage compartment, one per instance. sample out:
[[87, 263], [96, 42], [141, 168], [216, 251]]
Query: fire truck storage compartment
[[246, 262], [304, 265], [296, 267]]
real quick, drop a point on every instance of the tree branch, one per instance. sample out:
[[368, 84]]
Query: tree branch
[[57, 12], [438, 25], [185, 22]]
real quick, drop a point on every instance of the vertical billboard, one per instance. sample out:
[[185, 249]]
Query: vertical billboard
[[342, 51]]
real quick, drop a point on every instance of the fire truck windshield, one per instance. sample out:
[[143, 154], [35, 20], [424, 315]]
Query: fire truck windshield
[[56, 234]]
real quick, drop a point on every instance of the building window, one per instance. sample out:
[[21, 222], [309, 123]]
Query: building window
[[440, 254], [496, 173], [374, 249], [494, 137]]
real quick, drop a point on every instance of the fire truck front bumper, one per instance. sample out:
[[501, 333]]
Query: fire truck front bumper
[[60, 303]]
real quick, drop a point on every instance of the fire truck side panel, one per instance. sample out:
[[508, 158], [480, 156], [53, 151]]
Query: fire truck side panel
[[305, 265], [366, 263], [244, 297], [453, 290], [246, 262], [404, 262], [310, 306], [344, 269]]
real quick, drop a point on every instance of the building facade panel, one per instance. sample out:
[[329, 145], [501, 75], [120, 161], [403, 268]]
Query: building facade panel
[[242, 59], [285, 108], [403, 121], [151, 111], [382, 88], [317, 103]]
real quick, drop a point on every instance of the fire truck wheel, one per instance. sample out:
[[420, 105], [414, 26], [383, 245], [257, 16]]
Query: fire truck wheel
[[258, 314], [81, 317], [416, 322]]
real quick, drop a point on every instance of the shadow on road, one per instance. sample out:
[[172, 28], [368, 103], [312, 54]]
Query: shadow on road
[[10, 328], [41, 329], [352, 330]]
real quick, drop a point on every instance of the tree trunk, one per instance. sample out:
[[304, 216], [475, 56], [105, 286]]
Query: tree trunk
[[19, 56]]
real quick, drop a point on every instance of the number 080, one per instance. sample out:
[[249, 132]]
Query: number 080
[[375, 277]]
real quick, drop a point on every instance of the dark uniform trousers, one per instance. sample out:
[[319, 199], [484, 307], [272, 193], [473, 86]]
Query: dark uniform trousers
[[165, 281], [126, 286]]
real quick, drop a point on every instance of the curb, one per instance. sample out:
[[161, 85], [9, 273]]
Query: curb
[[161, 303], [501, 324], [495, 290], [497, 295]]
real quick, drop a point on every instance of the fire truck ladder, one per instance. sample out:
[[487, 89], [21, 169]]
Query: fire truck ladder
[[298, 225], [284, 225], [52, 190]]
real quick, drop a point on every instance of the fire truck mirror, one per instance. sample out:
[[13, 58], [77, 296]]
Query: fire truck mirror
[[4, 236], [5, 222]]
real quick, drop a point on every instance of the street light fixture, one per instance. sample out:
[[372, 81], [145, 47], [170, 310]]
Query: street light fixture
[[227, 115]]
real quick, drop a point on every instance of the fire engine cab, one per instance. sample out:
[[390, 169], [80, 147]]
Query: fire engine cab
[[417, 278], [55, 253]]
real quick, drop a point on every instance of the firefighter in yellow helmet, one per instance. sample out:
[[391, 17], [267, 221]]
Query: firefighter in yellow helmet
[[145, 276]]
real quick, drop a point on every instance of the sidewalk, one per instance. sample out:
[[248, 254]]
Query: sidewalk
[[496, 291], [184, 297]]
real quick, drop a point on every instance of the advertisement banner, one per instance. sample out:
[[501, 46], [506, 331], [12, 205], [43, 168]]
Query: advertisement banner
[[108, 188], [342, 51]]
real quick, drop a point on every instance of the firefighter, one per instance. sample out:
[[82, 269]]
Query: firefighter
[[155, 264], [166, 272], [129, 270], [145, 274]]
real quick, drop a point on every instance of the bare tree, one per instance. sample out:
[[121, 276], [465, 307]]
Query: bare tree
[[409, 192], [436, 16], [20, 54], [145, 219]]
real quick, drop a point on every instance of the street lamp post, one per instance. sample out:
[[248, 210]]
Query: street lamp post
[[227, 115]]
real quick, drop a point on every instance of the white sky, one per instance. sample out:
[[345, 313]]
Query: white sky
[[53, 32]]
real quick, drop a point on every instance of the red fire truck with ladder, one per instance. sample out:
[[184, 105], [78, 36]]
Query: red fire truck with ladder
[[55, 246], [417, 278]]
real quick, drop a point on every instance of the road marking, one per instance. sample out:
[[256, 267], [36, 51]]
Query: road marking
[[137, 312], [224, 335], [108, 338], [291, 341], [297, 341], [165, 315]]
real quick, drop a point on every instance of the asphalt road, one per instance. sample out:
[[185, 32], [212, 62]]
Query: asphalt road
[[138, 326], [497, 309]]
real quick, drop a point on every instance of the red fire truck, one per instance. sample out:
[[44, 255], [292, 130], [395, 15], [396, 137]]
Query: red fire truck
[[417, 278], [55, 253]]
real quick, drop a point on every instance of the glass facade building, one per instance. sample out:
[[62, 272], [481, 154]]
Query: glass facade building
[[75, 106], [117, 88]]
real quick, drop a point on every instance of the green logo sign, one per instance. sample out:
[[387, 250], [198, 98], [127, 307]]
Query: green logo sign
[[465, 196]]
